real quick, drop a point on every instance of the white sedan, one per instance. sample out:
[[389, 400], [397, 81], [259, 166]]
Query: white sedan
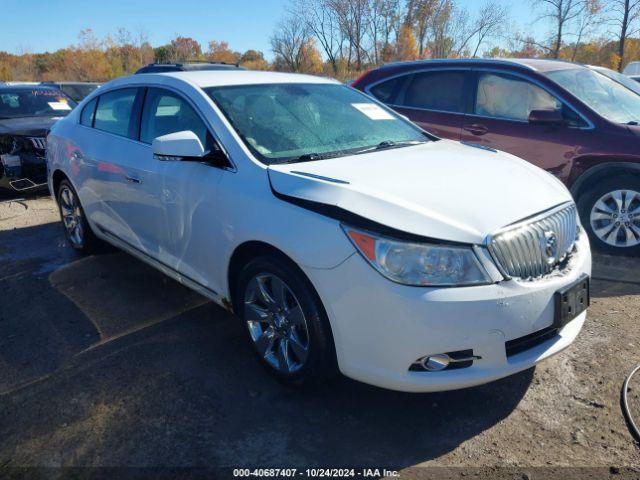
[[345, 237]]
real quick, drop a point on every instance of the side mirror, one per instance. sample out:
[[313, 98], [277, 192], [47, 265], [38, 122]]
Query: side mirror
[[546, 117], [178, 146]]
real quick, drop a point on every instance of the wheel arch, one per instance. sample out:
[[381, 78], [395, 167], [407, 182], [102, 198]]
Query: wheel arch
[[244, 253], [601, 171], [248, 250], [57, 178]]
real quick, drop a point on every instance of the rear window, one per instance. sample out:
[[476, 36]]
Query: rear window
[[387, 91], [86, 118], [443, 91]]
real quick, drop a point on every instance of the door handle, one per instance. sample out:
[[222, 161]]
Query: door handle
[[476, 129], [132, 179]]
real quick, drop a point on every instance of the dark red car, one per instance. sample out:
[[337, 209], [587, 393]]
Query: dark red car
[[574, 122]]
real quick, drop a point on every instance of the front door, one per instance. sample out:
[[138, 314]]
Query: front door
[[500, 120], [187, 190]]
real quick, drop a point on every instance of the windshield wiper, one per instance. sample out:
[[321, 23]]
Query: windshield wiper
[[633, 122], [391, 144], [310, 157]]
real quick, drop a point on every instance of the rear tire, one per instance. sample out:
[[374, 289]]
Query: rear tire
[[610, 214], [77, 230], [285, 321]]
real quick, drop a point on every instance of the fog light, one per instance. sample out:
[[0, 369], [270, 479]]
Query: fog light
[[436, 363]]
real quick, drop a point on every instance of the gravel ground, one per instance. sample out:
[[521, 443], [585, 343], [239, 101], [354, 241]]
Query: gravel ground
[[106, 362]]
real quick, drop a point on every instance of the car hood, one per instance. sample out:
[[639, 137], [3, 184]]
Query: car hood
[[31, 126], [443, 189]]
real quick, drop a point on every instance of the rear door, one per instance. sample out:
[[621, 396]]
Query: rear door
[[125, 172], [499, 119], [436, 100]]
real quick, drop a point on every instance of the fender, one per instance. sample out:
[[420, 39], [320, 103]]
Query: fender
[[606, 168]]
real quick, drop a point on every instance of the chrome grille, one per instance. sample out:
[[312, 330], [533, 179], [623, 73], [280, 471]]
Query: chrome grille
[[533, 248], [40, 143]]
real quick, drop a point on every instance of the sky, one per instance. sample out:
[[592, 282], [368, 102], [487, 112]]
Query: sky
[[47, 25]]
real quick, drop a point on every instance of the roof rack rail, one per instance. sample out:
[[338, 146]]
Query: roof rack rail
[[189, 65]]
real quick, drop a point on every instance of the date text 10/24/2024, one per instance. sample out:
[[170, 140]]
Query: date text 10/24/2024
[[315, 472]]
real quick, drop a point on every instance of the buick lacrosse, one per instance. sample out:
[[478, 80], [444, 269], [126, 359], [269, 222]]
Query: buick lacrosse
[[343, 236]]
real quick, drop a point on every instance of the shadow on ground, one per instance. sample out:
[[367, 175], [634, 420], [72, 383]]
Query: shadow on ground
[[615, 276], [104, 361]]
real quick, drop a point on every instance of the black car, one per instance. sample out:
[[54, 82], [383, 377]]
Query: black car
[[76, 90], [188, 67], [26, 114]]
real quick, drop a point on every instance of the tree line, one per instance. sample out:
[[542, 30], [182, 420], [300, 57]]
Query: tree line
[[342, 38]]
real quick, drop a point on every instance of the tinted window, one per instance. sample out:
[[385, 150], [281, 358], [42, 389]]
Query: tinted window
[[86, 118], [436, 91], [114, 111], [508, 97], [165, 112], [387, 91]]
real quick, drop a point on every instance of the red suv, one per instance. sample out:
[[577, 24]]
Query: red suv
[[576, 123]]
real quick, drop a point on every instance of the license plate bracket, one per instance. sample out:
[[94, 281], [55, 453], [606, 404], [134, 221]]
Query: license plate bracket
[[571, 301]]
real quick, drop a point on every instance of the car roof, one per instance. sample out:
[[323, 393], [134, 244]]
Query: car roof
[[215, 78], [537, 64]]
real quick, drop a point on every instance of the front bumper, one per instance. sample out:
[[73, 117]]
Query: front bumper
[[23, 171], [381, 328]]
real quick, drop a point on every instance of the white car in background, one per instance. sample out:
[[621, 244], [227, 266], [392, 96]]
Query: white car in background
[[632, 68], [343, 236]]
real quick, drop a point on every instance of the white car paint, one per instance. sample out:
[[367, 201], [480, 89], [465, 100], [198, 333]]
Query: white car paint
[[188, 218], [440, 190]]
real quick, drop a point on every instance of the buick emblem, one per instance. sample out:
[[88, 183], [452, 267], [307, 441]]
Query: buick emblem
[[550, 247]]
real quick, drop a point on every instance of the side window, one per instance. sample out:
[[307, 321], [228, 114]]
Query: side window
[[86, 117], [165, 112], [437, 91], [387, 91], [114, 111], [512, 98]]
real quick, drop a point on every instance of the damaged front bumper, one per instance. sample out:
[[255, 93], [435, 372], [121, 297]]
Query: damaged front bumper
[[23, 166]]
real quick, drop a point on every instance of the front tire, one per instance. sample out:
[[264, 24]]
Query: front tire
[[77, 229], [610, 213], [285, 320]]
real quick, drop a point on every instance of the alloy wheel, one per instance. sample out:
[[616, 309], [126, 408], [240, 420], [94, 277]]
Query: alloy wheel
[[276, 323], [71, 216], [615, 218]]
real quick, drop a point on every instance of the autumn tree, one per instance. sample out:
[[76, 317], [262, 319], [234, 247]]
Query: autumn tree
[[184, 49], [406, 48], [419, 16], [310, 58], [254, 60], [220, 52], [287, 40], [321, 21], [353, 16]]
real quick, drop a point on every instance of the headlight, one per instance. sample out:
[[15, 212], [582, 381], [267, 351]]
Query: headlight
[[419, 264]]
